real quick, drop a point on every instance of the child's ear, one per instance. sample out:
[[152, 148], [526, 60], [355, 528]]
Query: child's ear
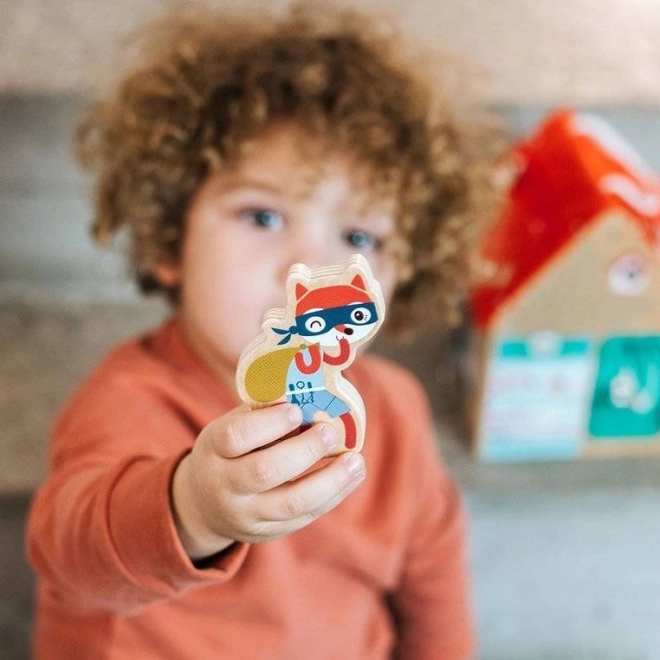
[[168, 274]]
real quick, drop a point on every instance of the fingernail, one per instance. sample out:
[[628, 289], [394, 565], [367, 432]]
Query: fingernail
[[329, 436], [295, 414], [355, 465]]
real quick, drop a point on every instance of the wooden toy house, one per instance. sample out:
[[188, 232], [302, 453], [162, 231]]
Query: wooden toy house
[[567, 323]]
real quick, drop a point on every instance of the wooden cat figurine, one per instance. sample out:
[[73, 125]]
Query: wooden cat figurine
[[303, 348]]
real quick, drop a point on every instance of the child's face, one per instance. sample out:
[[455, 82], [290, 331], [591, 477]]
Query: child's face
[[251, 221]]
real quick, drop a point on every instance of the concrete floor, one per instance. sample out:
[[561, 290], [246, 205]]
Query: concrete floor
[[565, 569], [564, 555]]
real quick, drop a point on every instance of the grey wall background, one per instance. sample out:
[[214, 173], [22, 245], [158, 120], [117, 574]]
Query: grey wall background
[[44, 205]]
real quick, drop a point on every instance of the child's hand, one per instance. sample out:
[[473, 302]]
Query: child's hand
[[234, 485]]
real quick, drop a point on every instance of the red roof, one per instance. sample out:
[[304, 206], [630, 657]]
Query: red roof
[[572, 169]]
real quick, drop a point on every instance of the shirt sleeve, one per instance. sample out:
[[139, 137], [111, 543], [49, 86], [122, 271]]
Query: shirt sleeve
[[101, 530], [432, 605]]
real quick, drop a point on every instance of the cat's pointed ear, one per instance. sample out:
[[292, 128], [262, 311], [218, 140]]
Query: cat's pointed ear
[[358, 282], [301, 290]]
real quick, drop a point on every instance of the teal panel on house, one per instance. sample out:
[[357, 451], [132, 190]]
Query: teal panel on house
[[626, 401]]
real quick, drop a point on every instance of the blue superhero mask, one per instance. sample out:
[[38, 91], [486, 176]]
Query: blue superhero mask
[[320, 321]]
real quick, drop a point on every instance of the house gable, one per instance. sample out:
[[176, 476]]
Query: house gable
[[570, 295]]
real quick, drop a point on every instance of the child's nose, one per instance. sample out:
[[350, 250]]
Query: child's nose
[[313, 259], [306, 258], [344, 329], [311, 243]]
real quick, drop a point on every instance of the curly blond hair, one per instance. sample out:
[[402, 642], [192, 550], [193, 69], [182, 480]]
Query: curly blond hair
[[205, 83]]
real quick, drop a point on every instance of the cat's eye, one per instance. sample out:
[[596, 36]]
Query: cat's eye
[[360, 315], [315, 324]]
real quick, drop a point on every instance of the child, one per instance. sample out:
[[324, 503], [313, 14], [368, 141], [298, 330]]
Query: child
[[172, 525]]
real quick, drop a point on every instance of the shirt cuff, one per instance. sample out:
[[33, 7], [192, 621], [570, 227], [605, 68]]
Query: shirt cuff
[[143, 531]]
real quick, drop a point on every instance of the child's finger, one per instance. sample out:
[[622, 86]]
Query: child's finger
[[244, 431], [269, 468], [303, 501]]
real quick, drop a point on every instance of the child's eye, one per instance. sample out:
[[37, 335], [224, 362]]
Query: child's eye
[[361, 239], [265, 218]]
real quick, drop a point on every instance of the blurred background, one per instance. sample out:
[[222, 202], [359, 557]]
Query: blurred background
[[564, 554]]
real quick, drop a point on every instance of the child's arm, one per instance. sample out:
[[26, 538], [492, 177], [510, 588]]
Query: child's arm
[[236, 485], [101, 529]]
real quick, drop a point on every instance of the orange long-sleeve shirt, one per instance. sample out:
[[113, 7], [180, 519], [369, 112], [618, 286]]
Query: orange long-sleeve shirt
[[384, 572]]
